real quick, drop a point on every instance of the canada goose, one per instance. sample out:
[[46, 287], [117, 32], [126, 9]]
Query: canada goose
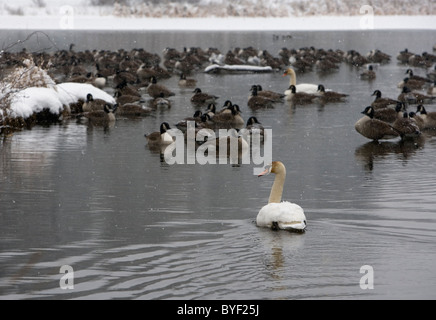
[[229, 120], [254, 125], [390, 115], [230, 143], [156, 90], [374, 129], [407, 96], [92, 104], [326, 65], [124, 76], [275, 96], [184, 123], [277, 214], [418, 120], [160, 102], [187, 82], [256, 102], [145, 72], [407, 127], [380, 102], [404, 56], [302, 87], [376, 56], [102, 117], [299, 97], [211, 110], [126, 89], [99, 81], [200, 97], [330, 96], [160, 138], [417, 78], [368, 74], [432, 74], [429, 118], [124, 99], [132, 110], [432, 90], [411, 83]]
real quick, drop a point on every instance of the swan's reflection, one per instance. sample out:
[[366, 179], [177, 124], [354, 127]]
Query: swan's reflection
[[282, 246], [371, 151]]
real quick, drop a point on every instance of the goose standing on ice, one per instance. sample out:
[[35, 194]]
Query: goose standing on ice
[[277, 214]]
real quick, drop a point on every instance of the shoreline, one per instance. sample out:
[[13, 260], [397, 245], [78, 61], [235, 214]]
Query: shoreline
[[313, 23]]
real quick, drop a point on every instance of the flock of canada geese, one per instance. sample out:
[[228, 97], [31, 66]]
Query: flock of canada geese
[[131, 75]]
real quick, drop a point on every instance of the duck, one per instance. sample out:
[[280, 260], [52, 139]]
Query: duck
[[407, 127], [156, 90], [187, 82], [368, 74], [160, 138], [92, 104], [330, 96], [380, 102], [278, 215], [200, 97], [102, 117], [302, 87], [299, 97], [429, 118], [375, 129], [256, 101]]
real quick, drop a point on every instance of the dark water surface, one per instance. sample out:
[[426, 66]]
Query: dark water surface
[[133, 227]]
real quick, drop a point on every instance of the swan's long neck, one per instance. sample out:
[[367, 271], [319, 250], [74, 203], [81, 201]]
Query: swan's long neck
[[293, 81], [277, 188]]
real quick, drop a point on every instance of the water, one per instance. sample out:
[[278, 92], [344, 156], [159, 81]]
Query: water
[[133, 227]]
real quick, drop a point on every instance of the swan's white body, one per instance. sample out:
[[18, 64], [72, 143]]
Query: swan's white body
[[302, 87], [277, 214], [287, 216]]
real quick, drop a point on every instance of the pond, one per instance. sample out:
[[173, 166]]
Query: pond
[[133, 227]]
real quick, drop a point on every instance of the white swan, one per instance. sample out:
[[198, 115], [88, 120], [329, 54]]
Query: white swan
[[302, 87], [277, 214]]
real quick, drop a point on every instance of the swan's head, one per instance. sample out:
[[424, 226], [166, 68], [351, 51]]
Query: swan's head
[[288, 72], [275, 167]]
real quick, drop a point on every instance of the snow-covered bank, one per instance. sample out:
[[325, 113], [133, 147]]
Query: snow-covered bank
[[55, 99], [83, 22]]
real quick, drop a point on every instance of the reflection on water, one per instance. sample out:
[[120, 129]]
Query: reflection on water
[[134, 227]]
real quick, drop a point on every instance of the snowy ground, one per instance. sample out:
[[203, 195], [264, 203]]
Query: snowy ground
[[210, 24]]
